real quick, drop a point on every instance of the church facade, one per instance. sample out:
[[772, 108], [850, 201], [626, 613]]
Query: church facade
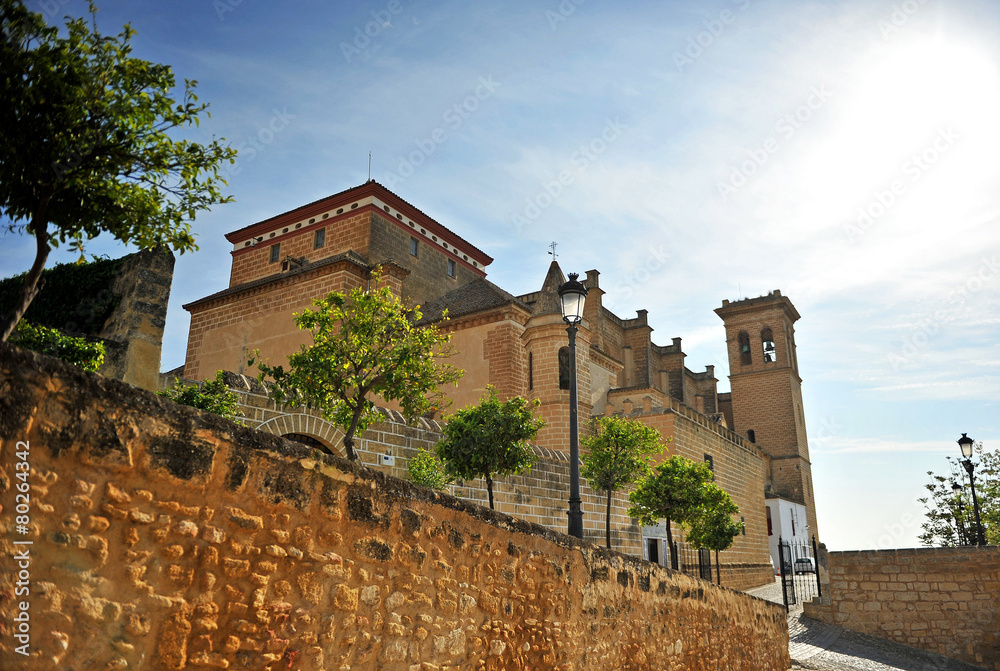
[[753, 437]]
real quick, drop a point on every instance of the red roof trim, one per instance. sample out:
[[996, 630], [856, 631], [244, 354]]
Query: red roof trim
[[309, 228], [346, 197]]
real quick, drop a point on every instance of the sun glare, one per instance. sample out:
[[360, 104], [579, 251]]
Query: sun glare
[[918, 115]]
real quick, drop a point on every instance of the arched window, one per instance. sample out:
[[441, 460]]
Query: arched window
[[767, 340], [564, 367], [744, 345]]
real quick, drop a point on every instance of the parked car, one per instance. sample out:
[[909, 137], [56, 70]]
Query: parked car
[[805, 565]]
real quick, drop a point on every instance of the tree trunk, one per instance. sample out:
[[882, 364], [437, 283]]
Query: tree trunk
[[30, 288], [670, 547], [718, 574], [607, 521], [489, 489], [349, 436]]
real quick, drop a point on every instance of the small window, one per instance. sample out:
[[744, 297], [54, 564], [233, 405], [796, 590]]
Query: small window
[[451, 268], [710, 462], [744, 345], [770, 529], [751, 436], [413, 246], [319, 238], [531, 370], [564, 367], [767, 342], [275, 252]]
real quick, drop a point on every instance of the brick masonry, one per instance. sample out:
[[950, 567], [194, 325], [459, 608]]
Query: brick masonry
[[171, 538], [943, 600]]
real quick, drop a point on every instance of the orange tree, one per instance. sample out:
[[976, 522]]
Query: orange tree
[[675, 492], [365, 346], [490, 439], [617, 457], [89, 144]]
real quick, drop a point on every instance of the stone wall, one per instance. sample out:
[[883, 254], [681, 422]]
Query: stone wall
[[133, 334], [939, 599], [170, 539], [539, 496]]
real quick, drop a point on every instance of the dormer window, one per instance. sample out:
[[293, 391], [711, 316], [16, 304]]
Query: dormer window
[[767, 342], [744, 345]]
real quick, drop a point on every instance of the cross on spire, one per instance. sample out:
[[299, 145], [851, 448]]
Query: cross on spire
[[553, 248]]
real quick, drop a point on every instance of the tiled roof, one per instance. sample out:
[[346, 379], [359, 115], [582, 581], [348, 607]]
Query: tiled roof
[[474, 297]]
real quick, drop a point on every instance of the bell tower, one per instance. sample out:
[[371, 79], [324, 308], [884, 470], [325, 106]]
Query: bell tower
[[767, 391]]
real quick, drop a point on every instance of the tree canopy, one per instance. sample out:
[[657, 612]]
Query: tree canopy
[[89, 143], [713, 526], [675, 492], [490, 439], [427, 470], [365, 346], [950, 516], [617, 457]]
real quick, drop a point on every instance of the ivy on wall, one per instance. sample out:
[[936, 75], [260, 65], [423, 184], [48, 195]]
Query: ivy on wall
[[76, 297], [77, 351]]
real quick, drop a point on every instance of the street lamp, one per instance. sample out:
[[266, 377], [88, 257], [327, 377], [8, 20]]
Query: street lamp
[[966, 444], [960, 515], [572, 295]]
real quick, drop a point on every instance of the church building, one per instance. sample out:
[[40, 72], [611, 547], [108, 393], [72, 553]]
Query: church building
[[753, 437]]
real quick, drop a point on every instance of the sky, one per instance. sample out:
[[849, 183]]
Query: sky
[[842, 152]]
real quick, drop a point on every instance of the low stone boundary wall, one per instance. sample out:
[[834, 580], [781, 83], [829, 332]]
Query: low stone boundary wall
[[945, 600], [166, 538]]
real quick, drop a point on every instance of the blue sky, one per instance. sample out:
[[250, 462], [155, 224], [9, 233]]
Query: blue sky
[[843, 152]]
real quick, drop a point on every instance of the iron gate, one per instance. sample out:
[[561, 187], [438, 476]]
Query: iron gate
[[799, 571]]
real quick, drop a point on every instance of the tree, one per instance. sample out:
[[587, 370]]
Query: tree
[[88, 143], [951, 519], [617, 458], [427, 470], [713, 527], [77, 351], [365, 345], [673, 492], [490, 439], [212, 396]]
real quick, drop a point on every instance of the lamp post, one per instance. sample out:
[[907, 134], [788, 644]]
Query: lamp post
[[960, 515], [572, 296], [966, 444]]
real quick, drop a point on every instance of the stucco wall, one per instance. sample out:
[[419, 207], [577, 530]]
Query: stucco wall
[[171, 539], [944, 600]]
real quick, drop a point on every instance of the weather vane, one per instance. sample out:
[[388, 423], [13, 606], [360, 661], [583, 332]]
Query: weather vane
[[553, 252]]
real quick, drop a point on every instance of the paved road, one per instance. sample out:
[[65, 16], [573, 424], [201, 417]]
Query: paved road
[[821, 647]]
